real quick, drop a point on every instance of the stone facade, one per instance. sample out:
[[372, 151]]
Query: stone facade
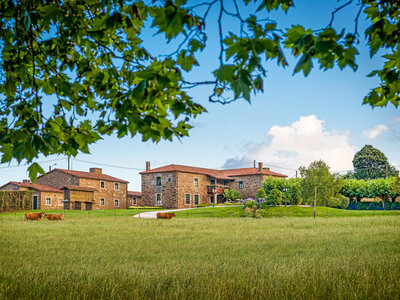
[[174, 188], [55, 198], [108, 193], [250, 184], [178, 186], [57, 179], [103, 188], [134, 199]]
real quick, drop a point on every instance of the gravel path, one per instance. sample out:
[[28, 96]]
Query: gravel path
[[153, 214]]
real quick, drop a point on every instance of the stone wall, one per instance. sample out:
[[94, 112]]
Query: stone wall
[[251, 184], [57, 179], [108, 193], [55, 198], [173, 189], [186, 186], [167, 189], [138, 201]]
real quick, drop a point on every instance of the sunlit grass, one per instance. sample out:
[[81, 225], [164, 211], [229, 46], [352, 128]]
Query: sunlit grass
[[200, 258]]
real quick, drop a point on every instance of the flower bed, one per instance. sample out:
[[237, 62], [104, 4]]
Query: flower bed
[[373, 206]]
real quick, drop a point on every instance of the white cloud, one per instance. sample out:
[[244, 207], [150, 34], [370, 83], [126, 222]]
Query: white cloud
[[300, 143], [375, 131]]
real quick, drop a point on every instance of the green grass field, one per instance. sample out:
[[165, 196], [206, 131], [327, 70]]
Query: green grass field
[[99, 255]]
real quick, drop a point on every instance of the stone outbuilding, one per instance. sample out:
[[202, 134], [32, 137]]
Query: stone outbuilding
[[134, 198], [44, 196]]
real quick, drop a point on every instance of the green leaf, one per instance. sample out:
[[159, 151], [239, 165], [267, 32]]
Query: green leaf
[[34, 169]]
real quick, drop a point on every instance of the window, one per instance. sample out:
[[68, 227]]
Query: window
[[116, 202], [196, 182], [48, 201], [102, 184], [240, 185], [133, 200], [212, 199], [158, 181], [158, 199], [187, 202], [196, 199], [212, 181], [116, 186], [101, 201]]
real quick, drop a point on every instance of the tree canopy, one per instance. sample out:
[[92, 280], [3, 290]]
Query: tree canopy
[[73, 71], [317, 179], [370, 163]]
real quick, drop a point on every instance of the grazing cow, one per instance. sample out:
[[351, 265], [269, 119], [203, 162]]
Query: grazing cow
[[165, 215], [53, 217], [33, 216]]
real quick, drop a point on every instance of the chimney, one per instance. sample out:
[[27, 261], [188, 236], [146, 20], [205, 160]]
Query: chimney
[[26, 181], [260, 167], [147, 166], [96, 170], [254, 162]]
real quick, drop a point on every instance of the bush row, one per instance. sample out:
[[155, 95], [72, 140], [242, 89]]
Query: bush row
[[373, 206]]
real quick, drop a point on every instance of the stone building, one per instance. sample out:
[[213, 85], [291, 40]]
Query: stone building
[[134, 198], [87, 190], [44, 196], [178, 186]]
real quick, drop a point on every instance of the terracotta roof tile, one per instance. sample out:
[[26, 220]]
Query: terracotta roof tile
[[251, 171], [90, 175], [219, 174], [133, 193], [188, 169], [38, 187]]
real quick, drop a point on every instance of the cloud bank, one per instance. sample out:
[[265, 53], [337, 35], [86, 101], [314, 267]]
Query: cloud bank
[[375, 131], [299, 144]]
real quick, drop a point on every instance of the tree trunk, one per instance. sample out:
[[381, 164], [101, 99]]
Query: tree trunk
[[315, 202]]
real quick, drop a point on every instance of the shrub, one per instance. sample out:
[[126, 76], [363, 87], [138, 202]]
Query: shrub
[[373, 206], [275, 197], [344, 201], [261, 194]]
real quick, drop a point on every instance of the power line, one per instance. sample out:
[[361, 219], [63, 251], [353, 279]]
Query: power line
[[107, 165], [39, 162]]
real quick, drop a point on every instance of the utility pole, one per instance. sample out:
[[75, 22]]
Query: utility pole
[[296, 173], [315, 201]]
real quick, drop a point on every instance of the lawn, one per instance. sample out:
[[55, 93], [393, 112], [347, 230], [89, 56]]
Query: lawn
[[120, 257]]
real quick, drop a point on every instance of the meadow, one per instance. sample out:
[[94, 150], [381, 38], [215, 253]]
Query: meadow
[[110, 255]]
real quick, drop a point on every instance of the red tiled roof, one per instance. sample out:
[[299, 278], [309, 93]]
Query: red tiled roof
[[219, 174], [90, 175], [79, 188], [251, 171], [38, 187], [187, 169], [133, 193]]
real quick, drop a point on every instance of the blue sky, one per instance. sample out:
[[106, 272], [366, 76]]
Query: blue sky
[[295, 121]]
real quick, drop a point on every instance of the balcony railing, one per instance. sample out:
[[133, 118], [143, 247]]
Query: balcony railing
[[219, 189]]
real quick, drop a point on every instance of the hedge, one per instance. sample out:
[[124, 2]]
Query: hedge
[[373, 206]]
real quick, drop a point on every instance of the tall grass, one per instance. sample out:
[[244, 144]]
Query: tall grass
[[200, 258]]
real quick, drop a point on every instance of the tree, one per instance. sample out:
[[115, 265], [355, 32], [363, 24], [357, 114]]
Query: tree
[[261, 194], [275, 197], [232, 195], [73, 71], [370, 163], [317, 179]]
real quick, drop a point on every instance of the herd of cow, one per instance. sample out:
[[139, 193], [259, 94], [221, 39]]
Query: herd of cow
[[60, 217], [39, 216]]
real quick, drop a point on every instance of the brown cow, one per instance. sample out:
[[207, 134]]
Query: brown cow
[[53, 217], [33, 216], [165, 215]]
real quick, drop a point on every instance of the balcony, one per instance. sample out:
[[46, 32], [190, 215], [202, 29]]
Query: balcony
[[219, 189]]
